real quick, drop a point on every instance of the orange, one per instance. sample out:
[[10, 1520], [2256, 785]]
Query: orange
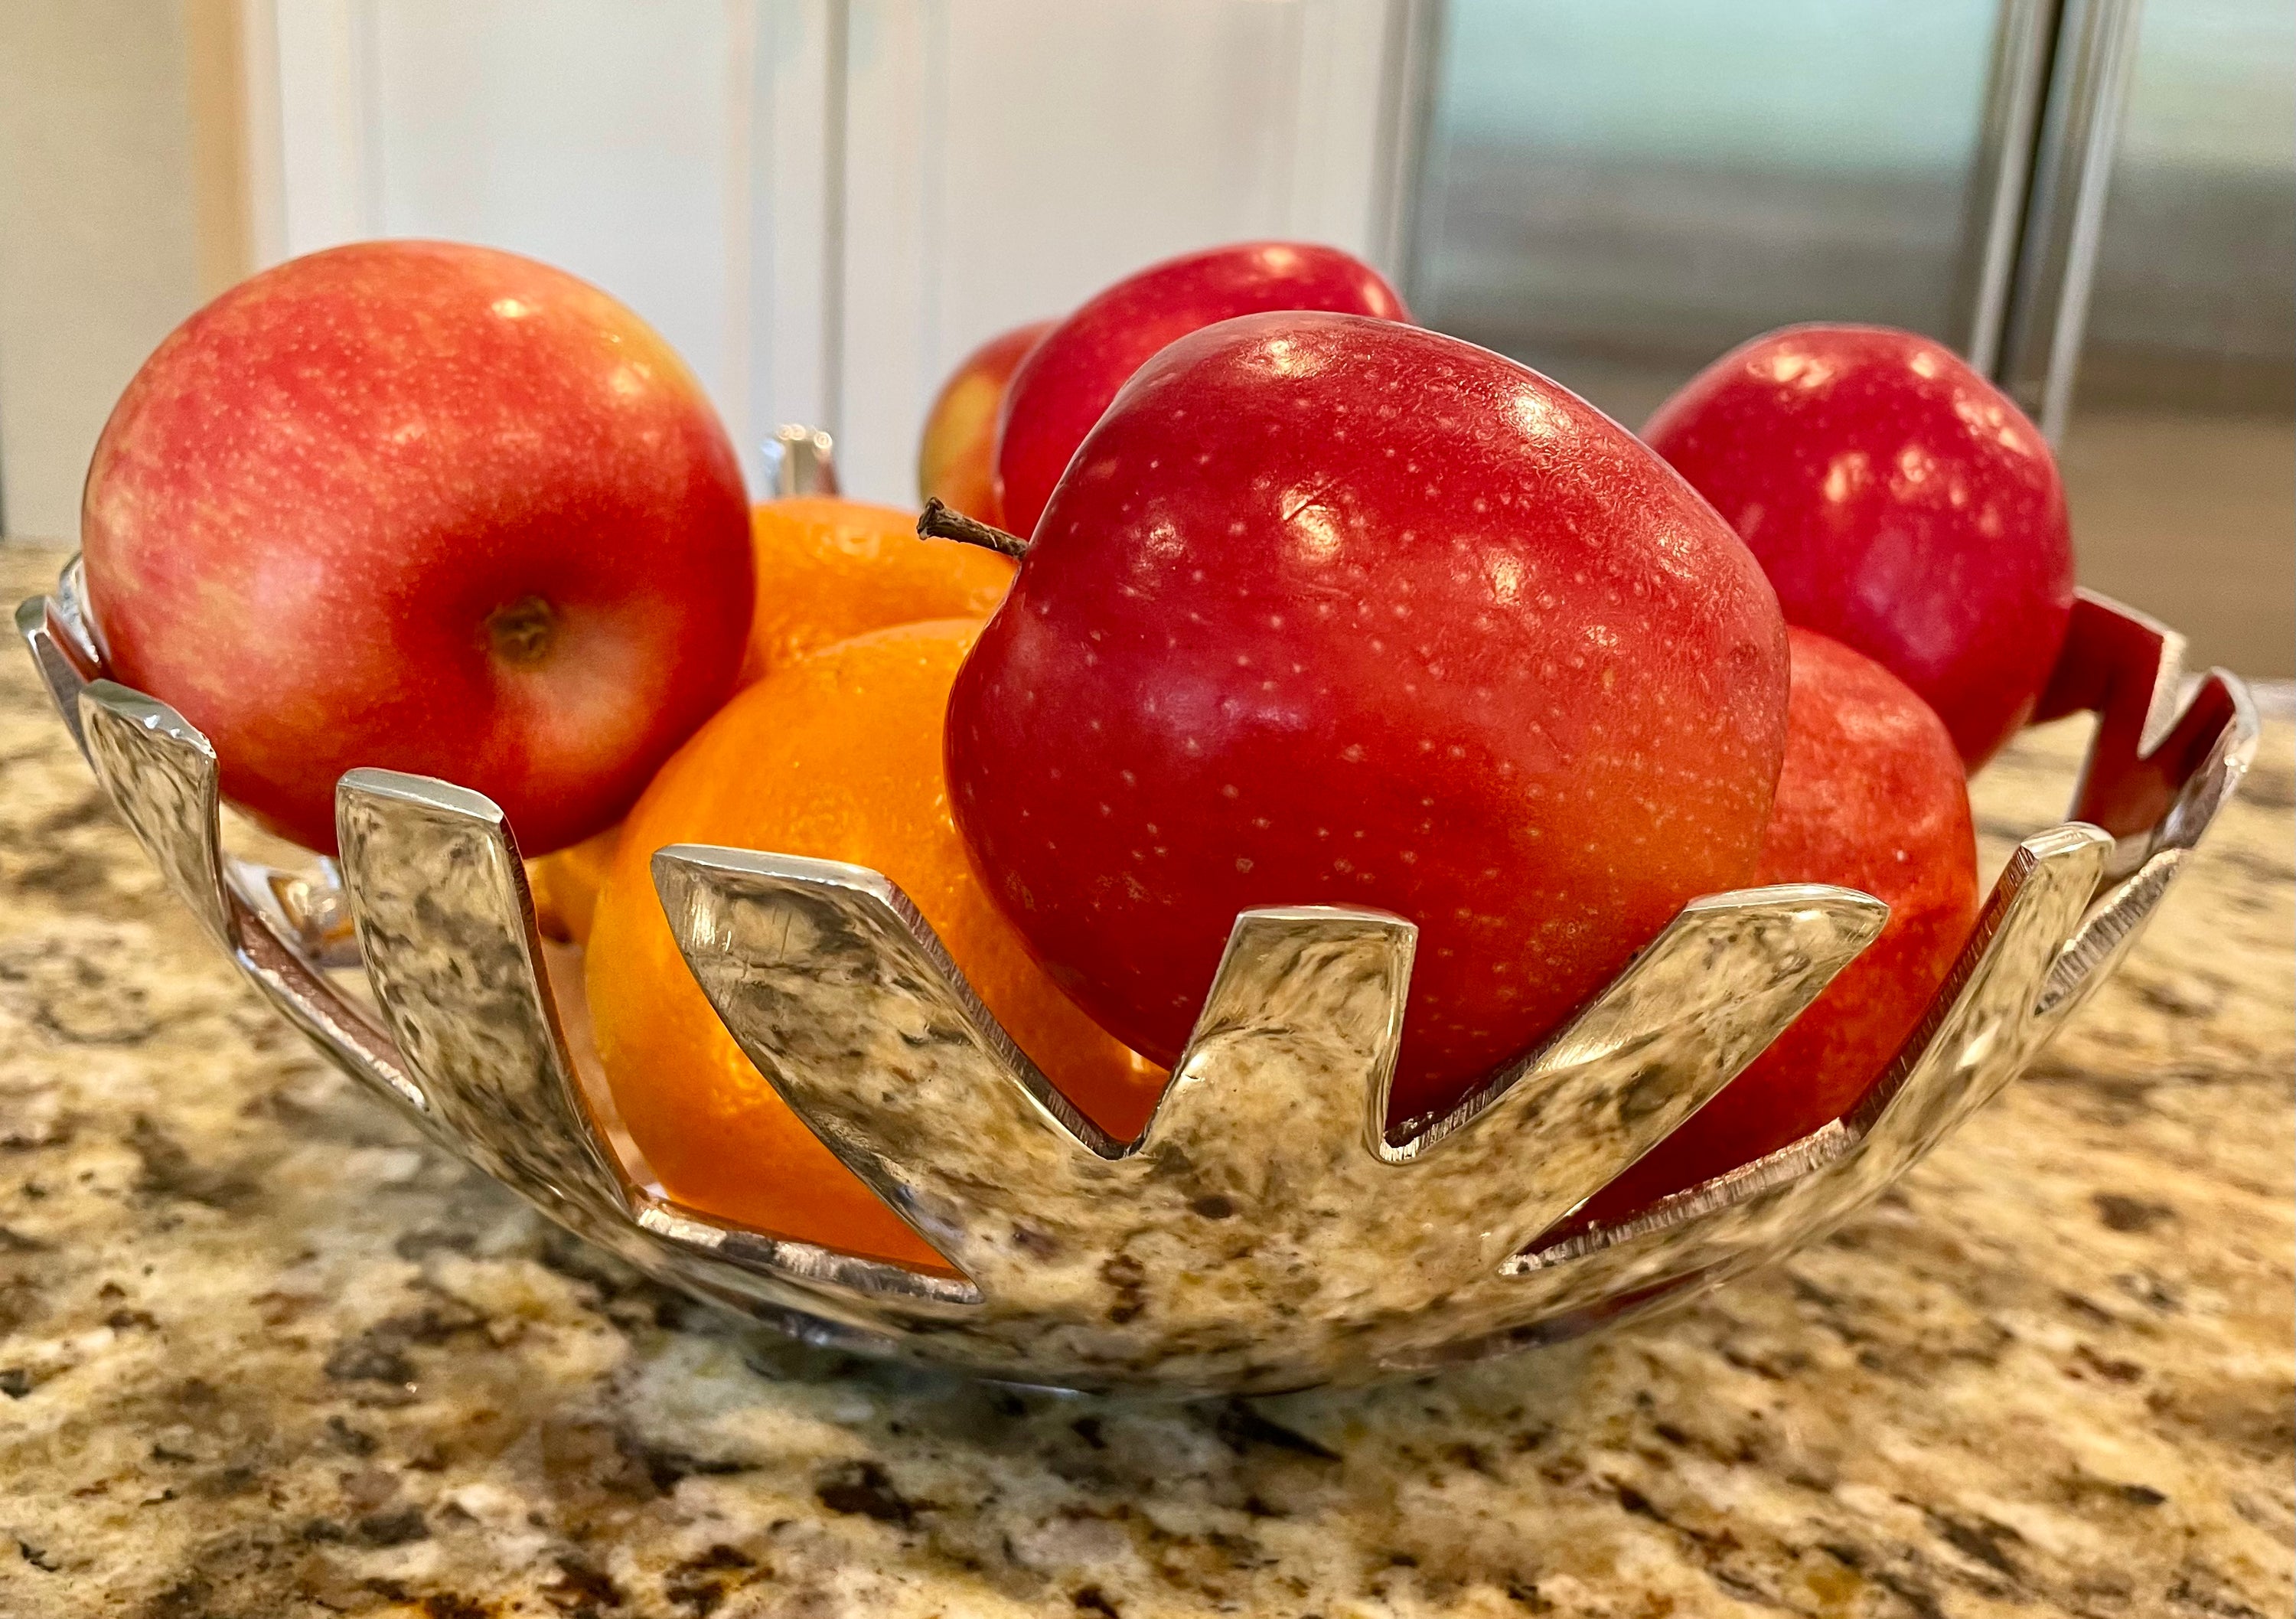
[[837, 756], [565, 885], [829, 569], [826, 570]]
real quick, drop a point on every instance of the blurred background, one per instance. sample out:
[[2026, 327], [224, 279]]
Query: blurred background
[[824, 203]]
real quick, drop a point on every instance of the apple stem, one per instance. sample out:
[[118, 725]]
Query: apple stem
[[939, 521]]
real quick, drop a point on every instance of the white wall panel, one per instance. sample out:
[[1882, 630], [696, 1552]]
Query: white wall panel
[[672, 152], [1006, 158], [794, 271], [590, 134], [824, 204], [326, 111]]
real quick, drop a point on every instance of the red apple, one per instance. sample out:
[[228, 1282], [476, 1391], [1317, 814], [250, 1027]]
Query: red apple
[[425, 506], [1330, 609], [1070, 377], [1872, 797], [1899, 502], [956, 456]]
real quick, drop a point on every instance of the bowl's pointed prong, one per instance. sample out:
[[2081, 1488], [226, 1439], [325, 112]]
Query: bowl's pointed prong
[[54, 628], [445, 925], [2123, 665], [1312, 993], [59, 669], [2117, 918], [2158, 774], [1716, 986], [160, 774], [2220, 727], [2152, 741], [75, 624], [1983, 1026], [440, 902], [842, 997], [1991, 1014], [2107, 933]]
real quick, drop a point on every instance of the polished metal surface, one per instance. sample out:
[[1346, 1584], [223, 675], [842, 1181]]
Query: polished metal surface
[[1262, 1232], [2094, 51], [800, 460], [309, 906], [2024, 32], [1979, 1033], [161, 776], [445, 925], [1410, 78], [1265, 1232]]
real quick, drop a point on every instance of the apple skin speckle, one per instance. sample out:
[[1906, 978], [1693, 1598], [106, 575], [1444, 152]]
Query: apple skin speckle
[[1583, 735]]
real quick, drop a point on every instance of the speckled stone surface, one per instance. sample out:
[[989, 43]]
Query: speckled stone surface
[[262, 1353]]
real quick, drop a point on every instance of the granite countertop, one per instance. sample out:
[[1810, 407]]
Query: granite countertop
[[263, 1353]]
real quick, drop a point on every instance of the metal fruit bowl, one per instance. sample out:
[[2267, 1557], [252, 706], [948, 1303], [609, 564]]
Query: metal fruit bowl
[[1263, 1234]]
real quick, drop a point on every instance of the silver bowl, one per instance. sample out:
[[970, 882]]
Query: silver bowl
[[1264, 1233]]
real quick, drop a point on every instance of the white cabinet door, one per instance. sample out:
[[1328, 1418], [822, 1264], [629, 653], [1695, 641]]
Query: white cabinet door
[[824, 204]]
